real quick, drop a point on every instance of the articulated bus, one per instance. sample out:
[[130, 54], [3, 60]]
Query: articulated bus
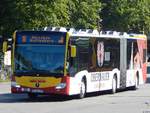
[[70, 62]]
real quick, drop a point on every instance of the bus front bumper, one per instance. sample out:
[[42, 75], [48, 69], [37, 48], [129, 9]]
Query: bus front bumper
[[59, 89]]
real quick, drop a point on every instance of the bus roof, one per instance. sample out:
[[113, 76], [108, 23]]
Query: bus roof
[[95, 33], [107, 34]]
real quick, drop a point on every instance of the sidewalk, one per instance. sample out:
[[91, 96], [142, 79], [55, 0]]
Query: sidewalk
[[4, 87]]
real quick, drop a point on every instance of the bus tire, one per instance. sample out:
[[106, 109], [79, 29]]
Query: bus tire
[[136, 86], [114, 85], [82, 89]]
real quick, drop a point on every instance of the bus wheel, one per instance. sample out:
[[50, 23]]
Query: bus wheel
[[32, 95], [82, 89], [136, 86], [114, 85]]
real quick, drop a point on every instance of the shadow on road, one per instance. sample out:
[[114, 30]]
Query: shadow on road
[[23, 98]]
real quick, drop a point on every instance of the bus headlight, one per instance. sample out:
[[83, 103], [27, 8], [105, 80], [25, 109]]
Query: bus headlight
[[14, 84], [61, 86]]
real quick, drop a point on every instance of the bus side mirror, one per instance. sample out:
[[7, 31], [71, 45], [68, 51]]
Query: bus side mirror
[[4, 46], [73, 51]]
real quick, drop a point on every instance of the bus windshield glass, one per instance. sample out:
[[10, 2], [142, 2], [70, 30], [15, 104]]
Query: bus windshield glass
[[39, 58]]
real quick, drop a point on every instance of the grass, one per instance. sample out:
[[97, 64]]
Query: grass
[[6, 80]]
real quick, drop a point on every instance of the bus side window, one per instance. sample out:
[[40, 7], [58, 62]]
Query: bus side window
[[72, 63]]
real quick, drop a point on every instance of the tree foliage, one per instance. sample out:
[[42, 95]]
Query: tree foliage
[[120, 15], [127, 15], [84, 13], [33, 14], [8, 20]]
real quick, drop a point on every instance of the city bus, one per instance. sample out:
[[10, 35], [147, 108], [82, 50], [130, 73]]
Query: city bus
[[76, 62]]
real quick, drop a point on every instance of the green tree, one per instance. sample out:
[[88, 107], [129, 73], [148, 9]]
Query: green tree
[[84, 13], [33, 14], [44, 13], [8, 19], [126, 15]]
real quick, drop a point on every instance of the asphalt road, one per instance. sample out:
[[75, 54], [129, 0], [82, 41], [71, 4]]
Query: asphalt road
[[122, 102]]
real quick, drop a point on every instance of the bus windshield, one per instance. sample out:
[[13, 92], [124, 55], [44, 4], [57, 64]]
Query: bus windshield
[[39, 58]]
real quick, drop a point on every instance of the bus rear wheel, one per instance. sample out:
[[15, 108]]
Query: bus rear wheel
[[114, 85], [82, 89], [136, 86]]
